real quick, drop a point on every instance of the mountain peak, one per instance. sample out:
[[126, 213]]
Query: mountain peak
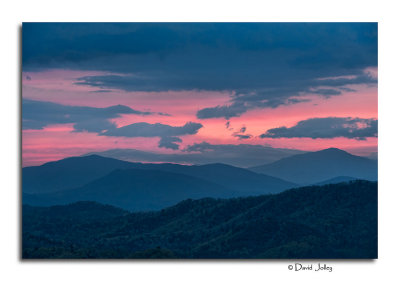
[[92, 156], [312, 167], [333, 150]]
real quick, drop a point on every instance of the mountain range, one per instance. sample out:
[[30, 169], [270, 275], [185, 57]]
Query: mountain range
[[315, 167], [330, 221], [144, 186], [138, 186], [136, 189], [68, 173], [241, 155]]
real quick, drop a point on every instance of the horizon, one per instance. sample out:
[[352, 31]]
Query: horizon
[[98, 154], [247, 91]]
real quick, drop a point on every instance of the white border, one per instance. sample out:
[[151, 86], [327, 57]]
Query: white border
[[14, 12]]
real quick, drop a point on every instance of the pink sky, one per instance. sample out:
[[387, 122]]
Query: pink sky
[[58, 141]]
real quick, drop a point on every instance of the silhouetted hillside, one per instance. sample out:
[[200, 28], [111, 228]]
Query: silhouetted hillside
[[75, 172], [68, 173], [312, 167], [83, 211], [136, 189], [331, 221], [243, 181]]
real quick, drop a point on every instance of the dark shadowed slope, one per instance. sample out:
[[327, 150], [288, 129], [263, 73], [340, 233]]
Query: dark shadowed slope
[[243, 181], [332, 221], [68, 173], [136, 189], [319, 166], [75, 172], [83, 211]]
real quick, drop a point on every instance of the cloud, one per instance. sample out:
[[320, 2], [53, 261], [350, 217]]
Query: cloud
[[327, 128], [309, 44], [241, 134], [263, 65], [93, 125], [225, 111], [170, 142], [345, 89], [289, 93], [168, 134], [101, 91], [164, 114], [242, 155], [38, 114], [327, 93], [144, 129]]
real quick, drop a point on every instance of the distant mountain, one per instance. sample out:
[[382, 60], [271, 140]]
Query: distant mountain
[[137, 189], [71, 173], [324, 222], [242, 155], [373, 155], [242, 181], [319, 166], [336, 180], [68, 173]]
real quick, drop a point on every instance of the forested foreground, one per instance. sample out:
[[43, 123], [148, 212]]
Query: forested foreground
[[331, 221]]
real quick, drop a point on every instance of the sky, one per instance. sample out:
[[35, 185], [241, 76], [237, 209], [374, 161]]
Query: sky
[[198, 92]]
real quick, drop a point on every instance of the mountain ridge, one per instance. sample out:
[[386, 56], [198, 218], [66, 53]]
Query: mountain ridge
[[71, 173], [142, 189], [331, 221], [318, 166]]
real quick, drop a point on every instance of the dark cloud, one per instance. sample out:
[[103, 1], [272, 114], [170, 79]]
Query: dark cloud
[[169, 142], [306, 44], [345, 89], [242, 136], [224, 111], [93, 125], [53, 43], [297, 100], [168, 134], [278, 90], [263, 65], [38, 114], [243, 155], [290, 93], [101, 91], [164, 114], [327, 128], [144, 129], [327, 93]]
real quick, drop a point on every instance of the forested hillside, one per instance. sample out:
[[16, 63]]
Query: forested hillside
[[331, 221]]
